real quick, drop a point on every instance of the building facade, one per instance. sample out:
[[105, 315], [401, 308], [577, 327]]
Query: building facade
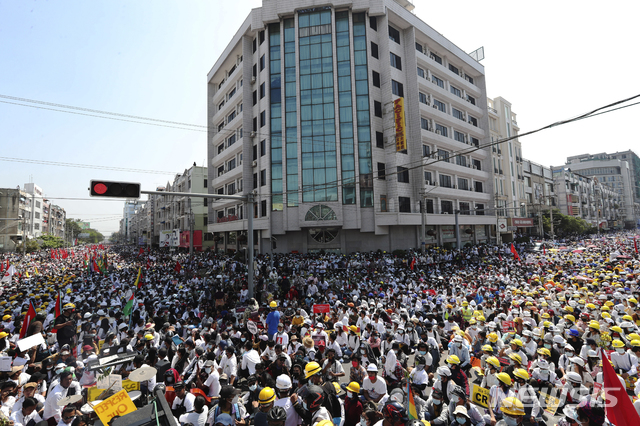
[[343, 120], [591, 199], [620, 170], [540, 196]]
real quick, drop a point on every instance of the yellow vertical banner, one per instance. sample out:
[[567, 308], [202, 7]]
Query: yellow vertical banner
[[401, 136]]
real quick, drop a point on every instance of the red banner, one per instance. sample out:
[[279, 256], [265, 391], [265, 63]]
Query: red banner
[[508, 326], [322, 308]]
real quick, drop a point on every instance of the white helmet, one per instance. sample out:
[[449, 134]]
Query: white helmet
[[283, 382], [443, 371]]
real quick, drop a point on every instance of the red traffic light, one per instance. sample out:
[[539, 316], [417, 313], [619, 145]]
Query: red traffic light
[[105, 188]]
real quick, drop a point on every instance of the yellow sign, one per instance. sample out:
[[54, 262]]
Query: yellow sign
[[100, 343], [127, 385], [117, 405], [480, 396], [398, 112], [550, 403]]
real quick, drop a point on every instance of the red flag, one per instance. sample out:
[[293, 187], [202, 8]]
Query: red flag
[[544, 249], [57, 310], [178, 267], [619, 408], [635, 244], [515, 253], [1, 267], [413, 263], [31, 314], [141, 251], [95, 266]]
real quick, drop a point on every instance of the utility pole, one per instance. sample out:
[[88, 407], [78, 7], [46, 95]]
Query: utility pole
[[190, 229], [249, 207], [423, 242], [24, 235], [457, 212]]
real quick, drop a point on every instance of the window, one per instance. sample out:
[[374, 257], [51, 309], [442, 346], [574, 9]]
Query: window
[[221, 83], [423, 98], [453, 69], [220, 190], [459, 136], [465, 208], [255, 181], [424, 123], [377, 109], [471, 100], [263, 147], [220, 148], [404, 204], [457, 114], [421, 72], [436, 58], [427, 178], [396, 61], [263, 118], [231, 116], [442, 130], [254, 125], [205, 184], [429, 206], [220, 105], [376, 78], [473, 120], [426, 151], [379, 140], [383, 203], [255, 97], [254, 70], [461, 160], [397, 88], [260, 37], [477, 164], [262, 62], [374, 50], [479, 209], [254, 45], [455, 91], [419, 47], [231, 140], [394, 34], [263, 208], [320, 212], [262, 90], [231, 188], [437, 81], [220, 126], [373, 23], [220, 171], [463, 183], [231, 93], [443, 155], [381, 171], [36, 226], [403, 174], [37, 214], [478, 186], [446, 206], [263, 177], [231, 164], [445, 181], [469, 79], [440, 105]]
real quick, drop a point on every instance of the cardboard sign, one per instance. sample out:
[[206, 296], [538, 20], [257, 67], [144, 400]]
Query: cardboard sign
[[252, 327], [476, 362], [113, 381], [322, 308], [117, 405], [100, 343], [480, 396], [5, 363], [508, 327], [550, 403], [93, 392], [31, 341], [504, 361]]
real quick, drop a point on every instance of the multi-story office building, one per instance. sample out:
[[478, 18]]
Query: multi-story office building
[[506, 158], [15, 218], [347, 116], [621, 171], [36, 198], [540, 196], [53, 219], [597, 202]]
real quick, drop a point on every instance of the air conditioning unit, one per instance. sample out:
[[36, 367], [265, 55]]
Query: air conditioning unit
[[438, 132], [435, 106], [475, 167], [445, 212], [254, 163], [253, 134], [253, 79], [468, 100], [470, 122]]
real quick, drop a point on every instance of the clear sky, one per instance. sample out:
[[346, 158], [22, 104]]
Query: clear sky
[[551, 60]]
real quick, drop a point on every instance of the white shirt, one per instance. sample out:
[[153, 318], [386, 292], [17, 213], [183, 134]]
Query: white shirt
[[229, 366], [376, 389], [249, 361], [213, 382], [189, 399], [51, 408], [194, 418], [20, 419], [293, 419]]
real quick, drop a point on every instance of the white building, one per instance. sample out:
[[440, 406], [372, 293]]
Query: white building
[[308, 96], [36, 200]]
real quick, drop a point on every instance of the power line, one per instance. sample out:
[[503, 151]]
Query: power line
[[84, 166]]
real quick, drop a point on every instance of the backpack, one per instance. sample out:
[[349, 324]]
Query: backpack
[[331, 402], [234, 408]]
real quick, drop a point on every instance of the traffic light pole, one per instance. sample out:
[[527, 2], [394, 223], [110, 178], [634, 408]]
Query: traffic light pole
[[249, 199]]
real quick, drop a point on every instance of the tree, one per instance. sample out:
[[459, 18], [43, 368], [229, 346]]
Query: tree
[[74, 230], [564, 225], [51, 242]]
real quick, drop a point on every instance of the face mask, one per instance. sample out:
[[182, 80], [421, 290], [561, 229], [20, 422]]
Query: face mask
[[208, 369], [420, 367], [243, 339], [453, 399], [304, 405], [409, 329], [354, 364], [459, 345], [461, 419], [60, 370], [569, 354], [253, 387], [510, 421], [437, 401], [422, 352], [349, 394], [546, 345], [620, 350]]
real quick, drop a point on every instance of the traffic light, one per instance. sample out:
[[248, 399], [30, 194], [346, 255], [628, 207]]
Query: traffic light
[[106, 188]]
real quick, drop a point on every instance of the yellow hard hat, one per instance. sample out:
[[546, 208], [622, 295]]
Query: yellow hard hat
[[617, 344], [633, 300], [635, 342], [570, 318], [148, 336], [512, 406], [493, 337], [504, 378], [487, 348], [492, 360], [516, 357], [521, 373], [266, 396], [3, 334], [465, 303], [69, 306], [6, 317], [353, 387], [453, 359], [594, 324], [545, 315], [568, 308], [472, 321], [616, 328], [544, 351], [273, 304], [517, 342], [311, 368], [627, 318], [353, 328]]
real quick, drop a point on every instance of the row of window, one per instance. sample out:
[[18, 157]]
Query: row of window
[[230, 140], [436, 58], [440, 83], [441, 129], [230, 188], [446, 206]]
